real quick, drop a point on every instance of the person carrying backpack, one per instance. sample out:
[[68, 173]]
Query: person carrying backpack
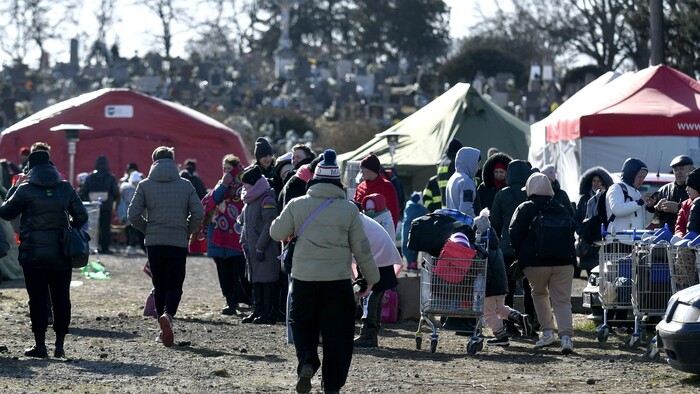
[[542, 235], [592, 181]]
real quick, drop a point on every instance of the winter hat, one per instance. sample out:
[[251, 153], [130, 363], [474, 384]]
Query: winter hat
[[681, 160], [371, 162], [37, 158], [500, 166], [251, 175], [415, 197], [135, 177], [327, 167], [454, 146], [377, 199], [285, 157], [693, 179], [132, 167], [550, 172], [539, 185], [190, 165], [460, 238], [262, 148], [631, 168]]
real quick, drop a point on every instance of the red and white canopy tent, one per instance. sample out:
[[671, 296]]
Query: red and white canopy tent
[[127, 127], [652, 114]]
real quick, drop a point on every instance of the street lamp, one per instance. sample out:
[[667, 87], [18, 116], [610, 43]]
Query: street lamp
[[72, 137], [392, 138]]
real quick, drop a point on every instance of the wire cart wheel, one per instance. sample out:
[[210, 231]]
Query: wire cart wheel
[[419, 342], [603, 332], [433, 345]]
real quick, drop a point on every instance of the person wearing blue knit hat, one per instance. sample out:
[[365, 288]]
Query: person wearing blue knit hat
[[625, 201], [322, 291]]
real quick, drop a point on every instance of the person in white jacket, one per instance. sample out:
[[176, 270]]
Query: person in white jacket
[[624, 200], [386, 256]]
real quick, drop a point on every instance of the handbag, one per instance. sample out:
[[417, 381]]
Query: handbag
[[288, 250], [76, 244]]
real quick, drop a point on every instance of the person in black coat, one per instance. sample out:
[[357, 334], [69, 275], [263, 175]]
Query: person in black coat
[[43, 200], [550, 278], [497, 164], [190, 173], [102, 185], [593, 180]]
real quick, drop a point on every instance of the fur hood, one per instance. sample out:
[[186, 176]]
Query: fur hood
[[584, 185], [487, 172]]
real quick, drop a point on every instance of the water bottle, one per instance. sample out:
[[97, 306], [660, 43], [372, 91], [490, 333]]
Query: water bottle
[[479, 285], [478, 237]]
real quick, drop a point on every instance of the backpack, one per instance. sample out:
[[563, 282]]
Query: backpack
[[428, 233], [597, 215], [554, 228]]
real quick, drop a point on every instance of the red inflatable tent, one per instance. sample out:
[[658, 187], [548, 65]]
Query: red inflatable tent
[[127, 127]]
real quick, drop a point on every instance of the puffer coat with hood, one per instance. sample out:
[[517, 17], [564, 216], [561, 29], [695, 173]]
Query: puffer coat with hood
[[487, 189], [628, 210], [507, 199]]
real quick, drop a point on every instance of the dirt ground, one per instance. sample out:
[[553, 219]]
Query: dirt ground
[[111, 348]]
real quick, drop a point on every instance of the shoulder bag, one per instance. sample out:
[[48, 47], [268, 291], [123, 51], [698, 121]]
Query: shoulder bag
[[76, 242], [288, 250]]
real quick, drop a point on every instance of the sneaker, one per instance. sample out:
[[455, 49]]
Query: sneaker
[[304, 380], [159, 337], [547, 339], [166, 327], [503, 341], [526, 325], [567, 347]]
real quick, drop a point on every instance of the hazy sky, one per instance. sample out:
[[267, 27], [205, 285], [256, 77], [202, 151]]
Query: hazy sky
[[133, 22]]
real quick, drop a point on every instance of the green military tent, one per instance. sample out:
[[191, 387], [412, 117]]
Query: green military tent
[[423, 137]]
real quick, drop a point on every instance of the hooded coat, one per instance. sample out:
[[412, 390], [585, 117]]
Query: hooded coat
[[628, 211], [43, 201], [446, 167], [507, 199], [585, 190], [461, 188], [165, 206], [487, 189], [101, 181]]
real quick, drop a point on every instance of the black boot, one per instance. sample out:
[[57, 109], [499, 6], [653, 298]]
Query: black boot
[[367, 337], [230, 308], [257, 304], [269, 315], [523, 321], [58, 351], [39, 349]]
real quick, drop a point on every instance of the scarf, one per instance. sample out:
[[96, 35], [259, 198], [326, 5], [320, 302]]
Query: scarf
[[260, 187], [498, 185]]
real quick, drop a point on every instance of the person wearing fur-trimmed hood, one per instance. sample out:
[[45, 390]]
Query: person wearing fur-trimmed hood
[[494, 178], [593, 180]]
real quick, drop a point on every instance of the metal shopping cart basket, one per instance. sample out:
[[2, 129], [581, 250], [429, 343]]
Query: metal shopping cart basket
[[93, 225], [453, 288], [651, 283], [615, 283]]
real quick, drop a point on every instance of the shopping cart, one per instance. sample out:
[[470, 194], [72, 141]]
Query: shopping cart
[[93, 225], [615, 282], [684, 271], [458, 292], [651, 284]]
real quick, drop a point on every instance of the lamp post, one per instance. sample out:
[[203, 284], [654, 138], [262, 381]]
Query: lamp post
[[72, 132], [392, 138]]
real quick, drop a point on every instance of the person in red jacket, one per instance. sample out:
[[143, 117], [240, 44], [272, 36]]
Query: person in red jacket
[[375, 183]]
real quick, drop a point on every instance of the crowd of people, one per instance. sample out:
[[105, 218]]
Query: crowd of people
[[246, 219]]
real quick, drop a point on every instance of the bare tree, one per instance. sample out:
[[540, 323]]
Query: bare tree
[[30, 24], [168, 11]]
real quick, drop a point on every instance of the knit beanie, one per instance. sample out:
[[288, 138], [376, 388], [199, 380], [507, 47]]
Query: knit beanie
[[415, 197], [251, 175], [37, 158], [500, 166], [539, 185], [371, 162], [262, 148], [693, 179], [327, 167], [454, 147]]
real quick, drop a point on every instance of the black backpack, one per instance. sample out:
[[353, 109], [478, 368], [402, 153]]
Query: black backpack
[[554, 229], [597, 215], [428, 233]]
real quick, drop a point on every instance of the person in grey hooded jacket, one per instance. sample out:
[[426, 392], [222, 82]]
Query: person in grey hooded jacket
[[165, 207], [461, 188]]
